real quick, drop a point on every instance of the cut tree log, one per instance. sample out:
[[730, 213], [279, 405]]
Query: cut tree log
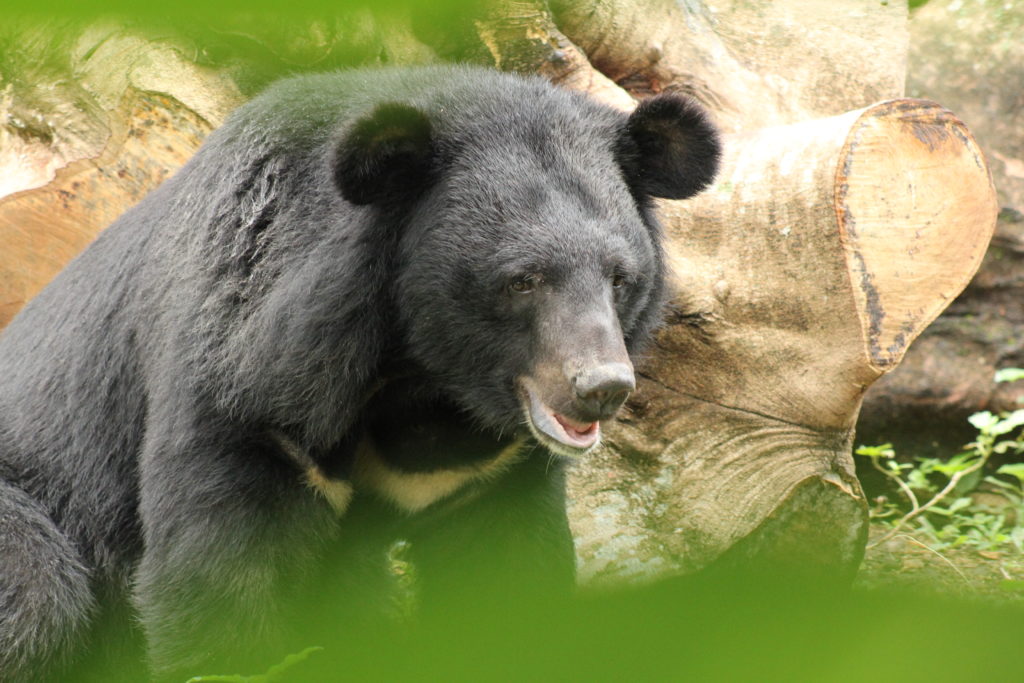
[[822, 251]]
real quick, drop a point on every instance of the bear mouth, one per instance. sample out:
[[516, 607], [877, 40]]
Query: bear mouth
[[558, 433]]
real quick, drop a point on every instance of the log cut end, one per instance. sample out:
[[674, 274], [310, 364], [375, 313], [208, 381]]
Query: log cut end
[[916, 209]]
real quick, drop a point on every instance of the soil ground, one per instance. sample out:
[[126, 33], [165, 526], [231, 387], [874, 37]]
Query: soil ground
[[906, 562]]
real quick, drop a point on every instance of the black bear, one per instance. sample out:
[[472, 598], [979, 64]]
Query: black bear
[[372, 300]]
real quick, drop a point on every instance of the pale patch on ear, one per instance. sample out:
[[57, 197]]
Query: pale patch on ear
[[415, 491], [337, 492]]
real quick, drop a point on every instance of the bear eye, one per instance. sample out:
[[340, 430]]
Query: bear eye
[[523, 285], [618, 280]]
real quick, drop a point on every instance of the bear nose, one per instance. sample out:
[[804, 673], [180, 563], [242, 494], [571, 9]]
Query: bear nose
[[602, 389]]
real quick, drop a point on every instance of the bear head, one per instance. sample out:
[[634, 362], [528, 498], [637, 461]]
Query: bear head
[[529, 262]]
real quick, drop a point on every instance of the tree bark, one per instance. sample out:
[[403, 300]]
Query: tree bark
[[829, 241]]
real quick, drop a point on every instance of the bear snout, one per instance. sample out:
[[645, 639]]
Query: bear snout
[[565, 416]]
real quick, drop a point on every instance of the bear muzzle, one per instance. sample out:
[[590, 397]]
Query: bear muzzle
[[571, 426]]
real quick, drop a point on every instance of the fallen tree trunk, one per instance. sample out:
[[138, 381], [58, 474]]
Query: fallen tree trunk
[[824, 248]]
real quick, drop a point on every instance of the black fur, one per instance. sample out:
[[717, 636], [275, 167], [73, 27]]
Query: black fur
[[247, 297]]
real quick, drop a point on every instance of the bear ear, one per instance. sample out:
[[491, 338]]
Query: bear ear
[[669, 148], [385, 156]]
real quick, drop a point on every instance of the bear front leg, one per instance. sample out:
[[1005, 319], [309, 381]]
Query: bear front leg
[[498, 546], [45, 596], [232, 535]]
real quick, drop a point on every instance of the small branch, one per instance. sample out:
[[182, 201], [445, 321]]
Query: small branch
[[953, 481], [907, 491]]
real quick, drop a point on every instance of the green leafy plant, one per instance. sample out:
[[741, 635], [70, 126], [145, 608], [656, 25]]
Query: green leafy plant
[[939, 492]]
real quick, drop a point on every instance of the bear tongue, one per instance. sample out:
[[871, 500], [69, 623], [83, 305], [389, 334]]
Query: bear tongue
[[578, 436], [579, 430]]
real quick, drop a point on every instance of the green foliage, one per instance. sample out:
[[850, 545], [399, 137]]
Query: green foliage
[[1009, 374], [720, 629], [946, 508], [204, 10]]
